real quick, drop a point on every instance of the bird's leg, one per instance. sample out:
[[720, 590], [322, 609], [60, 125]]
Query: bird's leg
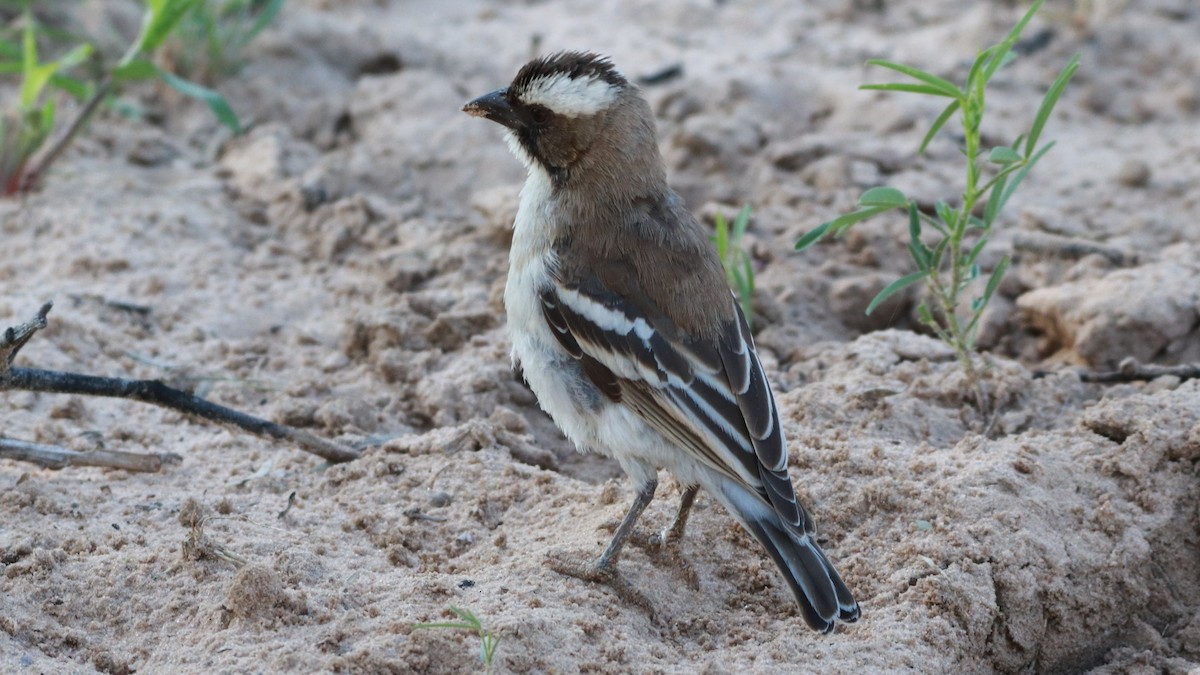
[[604, 568], [674, 532]]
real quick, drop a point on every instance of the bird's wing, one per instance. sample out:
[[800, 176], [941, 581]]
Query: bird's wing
[[710, 396]]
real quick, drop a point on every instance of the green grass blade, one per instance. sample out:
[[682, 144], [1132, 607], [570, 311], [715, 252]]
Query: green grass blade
[[741, 222], [721, 239], [467, 616], [139, 69], [994, 280], [939, 123], [158, 22], [1020, 176], [72, 86], [1002, 54], [895, 287], [909, 88], [265, 17], [992, 209], [919, 251], [813, 236], [947, 213], [980, 303], [980, 61], [215, 101], [1048, 103], [75, 57], [945, 86], [844, 222]]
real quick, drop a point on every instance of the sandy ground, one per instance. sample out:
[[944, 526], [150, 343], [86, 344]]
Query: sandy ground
[[339, 268]]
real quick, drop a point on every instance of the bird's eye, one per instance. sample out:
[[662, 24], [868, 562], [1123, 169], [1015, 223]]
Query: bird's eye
[[540, 115]]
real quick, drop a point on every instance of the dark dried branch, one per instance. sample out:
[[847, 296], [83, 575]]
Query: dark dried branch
[[157, 393], [1130, 370], [1071, 248], [55, 457], [14, 338], [147, 391]]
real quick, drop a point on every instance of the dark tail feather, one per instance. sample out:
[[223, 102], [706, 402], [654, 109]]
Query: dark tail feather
[[821, 593]]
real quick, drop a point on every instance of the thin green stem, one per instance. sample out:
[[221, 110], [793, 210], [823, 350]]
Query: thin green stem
[[43, 163]]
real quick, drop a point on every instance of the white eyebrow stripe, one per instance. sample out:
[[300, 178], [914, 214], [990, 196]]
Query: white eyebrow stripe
[[572, 97]]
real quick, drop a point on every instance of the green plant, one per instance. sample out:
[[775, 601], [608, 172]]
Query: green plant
[[487, 639], [210, 39], [160, 18], [739, 268], [959, 234], [24, 129]]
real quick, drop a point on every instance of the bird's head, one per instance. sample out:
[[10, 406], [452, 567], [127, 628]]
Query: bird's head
[[574, 116]]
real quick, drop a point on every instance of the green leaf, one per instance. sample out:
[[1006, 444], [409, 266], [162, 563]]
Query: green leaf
[[980, 61], [138, 69], [10, 50], [722, 238], [1048, 103], [914, 223], [813, 236], [920, 252], [933, 222], [72, 86], [843, 222], [925, 316], [908, 88], [991, 210], [944, 86], [938, 124], [886, 197], [938, 250], [976, 250], [265, 17], [741, 222], [948, 214], [1020, 176], [747, 276], [159, 20], [994, 280], [920, 255], [1003, 154], [980, 303], [215, 101], [894, 287], [1002, 55]]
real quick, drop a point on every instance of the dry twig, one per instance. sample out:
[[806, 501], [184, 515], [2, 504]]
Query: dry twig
[[1070, 247], [1130, 370], [147, 391], [56, 457]]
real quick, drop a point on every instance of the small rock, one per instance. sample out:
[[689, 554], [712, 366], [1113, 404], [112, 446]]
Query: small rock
[[849, 298], [827, 174], [255, 590], [1134, 173], [1135, 313]]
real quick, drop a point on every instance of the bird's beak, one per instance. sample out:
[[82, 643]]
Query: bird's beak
[[495, 107]]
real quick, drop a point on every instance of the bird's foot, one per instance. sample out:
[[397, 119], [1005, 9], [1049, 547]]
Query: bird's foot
[[657, 543], [600, 573]]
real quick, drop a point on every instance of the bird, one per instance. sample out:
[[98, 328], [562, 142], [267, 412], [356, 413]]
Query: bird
[[623, 324]]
